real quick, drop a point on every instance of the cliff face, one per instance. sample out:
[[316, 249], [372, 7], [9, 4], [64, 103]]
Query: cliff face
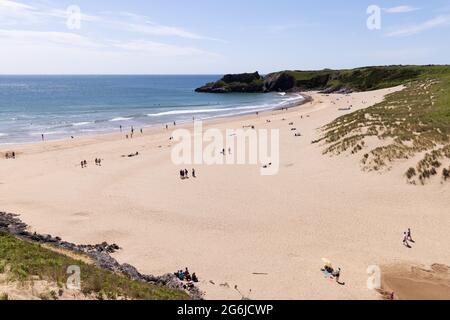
[[360, 79], [244, 82], [250, 83]]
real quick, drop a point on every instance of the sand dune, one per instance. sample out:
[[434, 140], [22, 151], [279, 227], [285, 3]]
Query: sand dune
[[233, 227]]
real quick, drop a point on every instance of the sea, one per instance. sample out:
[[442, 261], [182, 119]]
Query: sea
[[60, 107]]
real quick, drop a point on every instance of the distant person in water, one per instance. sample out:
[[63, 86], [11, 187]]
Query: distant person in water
[[42, 136], [120, 128]]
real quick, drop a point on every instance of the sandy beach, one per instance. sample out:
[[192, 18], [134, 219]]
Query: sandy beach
[[232, 226]]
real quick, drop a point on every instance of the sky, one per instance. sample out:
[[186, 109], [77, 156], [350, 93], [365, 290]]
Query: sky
[[218, 37]]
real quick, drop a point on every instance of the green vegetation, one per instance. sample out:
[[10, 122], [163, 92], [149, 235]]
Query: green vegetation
[[415, 120], [245, 82], [360, 79], [23, 260]]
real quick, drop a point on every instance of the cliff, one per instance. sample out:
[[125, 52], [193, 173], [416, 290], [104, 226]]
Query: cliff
[[327, 80]]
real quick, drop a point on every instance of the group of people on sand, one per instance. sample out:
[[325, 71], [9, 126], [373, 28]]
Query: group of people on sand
[[186, 276], [98, 162], [407, 238], [131, 132], [184, 174], [10, 155], [333, 273]]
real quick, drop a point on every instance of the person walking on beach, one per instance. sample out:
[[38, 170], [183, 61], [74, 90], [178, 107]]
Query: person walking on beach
[[186, 173], [13, 155], [82, 164], [120, 128], [409, 236], [142, 131], [193, 173], [182, 174], [405, 240]]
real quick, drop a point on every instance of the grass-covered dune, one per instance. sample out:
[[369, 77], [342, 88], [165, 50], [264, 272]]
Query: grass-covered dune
[[411, 123], [25, 265]]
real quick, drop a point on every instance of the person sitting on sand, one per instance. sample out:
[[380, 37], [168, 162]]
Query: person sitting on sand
[[194, 277], [336, 274]]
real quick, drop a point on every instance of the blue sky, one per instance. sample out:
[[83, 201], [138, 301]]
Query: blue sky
[[215, 37]]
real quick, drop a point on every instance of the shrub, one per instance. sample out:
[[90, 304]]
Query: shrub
[[446, 174], [410, 173]]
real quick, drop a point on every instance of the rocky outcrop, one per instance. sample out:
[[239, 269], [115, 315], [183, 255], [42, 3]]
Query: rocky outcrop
[[99, 253], [244, 82]]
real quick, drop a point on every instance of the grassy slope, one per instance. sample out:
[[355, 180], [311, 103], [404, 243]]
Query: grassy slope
[[23, 260], [360, 79], [414, 120]]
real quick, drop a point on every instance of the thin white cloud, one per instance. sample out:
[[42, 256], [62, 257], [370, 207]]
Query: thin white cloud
[[15, 13], [400, 9], [160, 49], [439, 21], [45, 37], [6, 4]]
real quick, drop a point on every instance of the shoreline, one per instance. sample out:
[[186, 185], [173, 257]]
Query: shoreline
[[151, 129], [230, 224], [159, 124]]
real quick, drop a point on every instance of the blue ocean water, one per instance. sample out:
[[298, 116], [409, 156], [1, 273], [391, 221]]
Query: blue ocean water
[[64, 106]]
